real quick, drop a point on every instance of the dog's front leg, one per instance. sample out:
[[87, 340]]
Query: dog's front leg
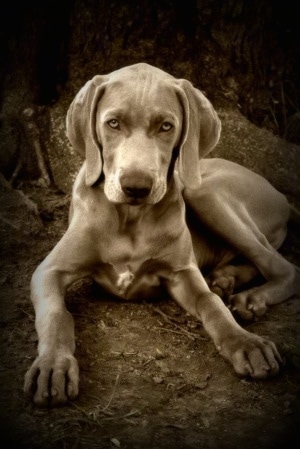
[[54, 376], [248, 353]]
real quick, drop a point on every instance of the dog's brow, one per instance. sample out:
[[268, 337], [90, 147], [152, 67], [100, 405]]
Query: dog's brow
[[164, 116], [113, 112], [154, 116]]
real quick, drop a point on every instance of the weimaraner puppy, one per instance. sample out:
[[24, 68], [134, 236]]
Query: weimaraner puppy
[[148, 212]]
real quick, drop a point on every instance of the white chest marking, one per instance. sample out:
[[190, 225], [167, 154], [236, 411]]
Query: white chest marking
[[124, 281]]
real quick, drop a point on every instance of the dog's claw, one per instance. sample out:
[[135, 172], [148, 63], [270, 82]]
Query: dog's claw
[[51, 373], [249, 304], [248, 368]]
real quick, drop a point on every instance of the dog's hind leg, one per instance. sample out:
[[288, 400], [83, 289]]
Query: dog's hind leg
[[250, 216]]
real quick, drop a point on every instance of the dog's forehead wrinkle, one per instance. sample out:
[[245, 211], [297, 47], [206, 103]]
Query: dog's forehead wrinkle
[[142, 88], [112, 112]]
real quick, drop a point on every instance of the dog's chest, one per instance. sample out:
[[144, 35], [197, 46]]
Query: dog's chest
[[138, 257], [133, 268], [127, 283]]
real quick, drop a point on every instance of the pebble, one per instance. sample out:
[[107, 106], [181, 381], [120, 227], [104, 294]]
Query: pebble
[[157, 380], [115, 442]]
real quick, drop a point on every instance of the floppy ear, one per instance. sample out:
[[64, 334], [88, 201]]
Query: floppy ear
[[201, 132], [81, 126]]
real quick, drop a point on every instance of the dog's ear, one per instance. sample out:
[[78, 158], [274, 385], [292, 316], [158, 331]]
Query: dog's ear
[[81, 126], [200, 132]]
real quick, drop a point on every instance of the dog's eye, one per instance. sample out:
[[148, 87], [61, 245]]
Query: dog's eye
[[113, 123], [165, 127]]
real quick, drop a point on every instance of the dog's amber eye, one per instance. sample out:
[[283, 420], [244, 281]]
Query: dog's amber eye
[[113, 123], [165, 127]]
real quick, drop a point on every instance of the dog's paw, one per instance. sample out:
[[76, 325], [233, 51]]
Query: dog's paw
[[52, 380], [249, 304], [252, 355], [221, 285]]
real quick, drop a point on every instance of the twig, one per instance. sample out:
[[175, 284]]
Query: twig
[[82, 315], [30, 316], [113, 393], [187, 334], [34, 135], [183, 331]]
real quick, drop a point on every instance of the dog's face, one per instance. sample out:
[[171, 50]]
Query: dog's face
[[138, 126], [130, 123]]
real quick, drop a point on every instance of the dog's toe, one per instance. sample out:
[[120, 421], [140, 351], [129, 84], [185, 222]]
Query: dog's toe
[[222, 286], [249, 304]]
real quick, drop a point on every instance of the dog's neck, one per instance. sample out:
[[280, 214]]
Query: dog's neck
[[130, 216]]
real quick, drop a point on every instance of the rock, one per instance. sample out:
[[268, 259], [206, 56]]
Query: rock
[[115, 442], [19, 218], [64, 161], [163, 366], [157, 380]]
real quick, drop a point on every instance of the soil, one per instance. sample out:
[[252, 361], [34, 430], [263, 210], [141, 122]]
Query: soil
[[150, 375], [151, 378]]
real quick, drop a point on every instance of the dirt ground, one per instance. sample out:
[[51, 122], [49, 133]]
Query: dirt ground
[[150, 376]]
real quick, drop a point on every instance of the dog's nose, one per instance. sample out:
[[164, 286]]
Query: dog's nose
[[136, 184]]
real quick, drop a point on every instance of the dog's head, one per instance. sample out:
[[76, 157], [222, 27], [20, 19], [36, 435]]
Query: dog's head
[[133, 123]]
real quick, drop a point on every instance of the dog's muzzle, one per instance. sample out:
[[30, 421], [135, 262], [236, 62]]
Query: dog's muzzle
[[136, 185]]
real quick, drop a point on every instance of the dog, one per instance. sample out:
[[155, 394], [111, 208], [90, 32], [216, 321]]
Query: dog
[[148, 212]]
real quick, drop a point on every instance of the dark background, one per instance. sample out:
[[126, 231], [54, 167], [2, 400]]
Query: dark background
[[246, 52], [241, 53], [244, 55]]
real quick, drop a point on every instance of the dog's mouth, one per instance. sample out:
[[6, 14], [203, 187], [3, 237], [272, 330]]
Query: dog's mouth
[[132, 200], [135, 201]]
